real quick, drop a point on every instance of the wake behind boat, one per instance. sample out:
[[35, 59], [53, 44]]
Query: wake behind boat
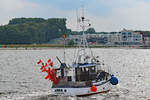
[[85, 76]]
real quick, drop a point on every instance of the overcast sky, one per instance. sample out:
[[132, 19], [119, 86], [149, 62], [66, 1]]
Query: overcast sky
[[104, 15]]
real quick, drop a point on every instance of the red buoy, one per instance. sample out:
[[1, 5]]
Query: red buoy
[[93, 88]]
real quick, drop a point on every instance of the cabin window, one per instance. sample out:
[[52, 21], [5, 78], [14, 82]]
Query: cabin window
[[65, 90], [93, 69], [86, 69], [82, 69], [69, 78]]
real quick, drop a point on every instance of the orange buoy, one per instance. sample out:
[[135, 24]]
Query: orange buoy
[[93, 88], [3, 46]]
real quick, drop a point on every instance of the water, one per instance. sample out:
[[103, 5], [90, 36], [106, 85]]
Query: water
[[21, 78]]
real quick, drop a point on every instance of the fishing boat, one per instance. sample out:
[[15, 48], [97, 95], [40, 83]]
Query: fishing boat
[[85, 76]]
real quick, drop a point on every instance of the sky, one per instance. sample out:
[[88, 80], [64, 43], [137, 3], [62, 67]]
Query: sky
[[104, 15]]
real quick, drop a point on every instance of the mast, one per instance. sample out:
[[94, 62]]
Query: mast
[[83, 28], [84, 23]]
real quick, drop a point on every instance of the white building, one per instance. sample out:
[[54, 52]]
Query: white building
[[125, 37]]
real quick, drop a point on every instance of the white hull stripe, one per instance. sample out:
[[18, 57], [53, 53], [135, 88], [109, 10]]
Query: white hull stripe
[[81, 86]]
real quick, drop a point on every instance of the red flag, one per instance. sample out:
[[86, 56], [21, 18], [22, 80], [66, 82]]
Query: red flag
[[45, 65], [49, 60], [53, 70], [42, 67], [51, 64], [48, 71], [54, 82], [44, 70], [52, 78], [47, 76], [39, 61]]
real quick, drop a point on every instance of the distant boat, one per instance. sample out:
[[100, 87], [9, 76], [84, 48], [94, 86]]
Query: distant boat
[[86, 76]]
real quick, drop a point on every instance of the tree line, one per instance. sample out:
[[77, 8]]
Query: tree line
[[32, 30], [39, 30]]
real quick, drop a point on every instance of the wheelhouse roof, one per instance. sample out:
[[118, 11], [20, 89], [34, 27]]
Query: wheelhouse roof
[[84, 65]]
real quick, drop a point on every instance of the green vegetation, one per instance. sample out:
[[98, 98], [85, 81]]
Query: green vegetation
[[88, 31], [32, 45], [32, 30], [45, 46], [42, 31]]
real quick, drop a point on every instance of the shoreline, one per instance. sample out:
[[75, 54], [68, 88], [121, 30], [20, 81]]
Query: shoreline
[[61, 47]]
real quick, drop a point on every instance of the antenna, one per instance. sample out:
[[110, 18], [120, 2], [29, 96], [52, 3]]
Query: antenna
[[83, 45], [78, 19], [82, 10]]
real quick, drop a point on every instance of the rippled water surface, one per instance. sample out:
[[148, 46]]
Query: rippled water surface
[[21, 79]]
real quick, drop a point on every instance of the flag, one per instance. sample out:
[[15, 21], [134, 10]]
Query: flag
[[44, 70], [47, 76], [53, 70], [63, 36], [42, 67], [49, 60], [54, 82], [39, 61], [51, 64], [45, 65]]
